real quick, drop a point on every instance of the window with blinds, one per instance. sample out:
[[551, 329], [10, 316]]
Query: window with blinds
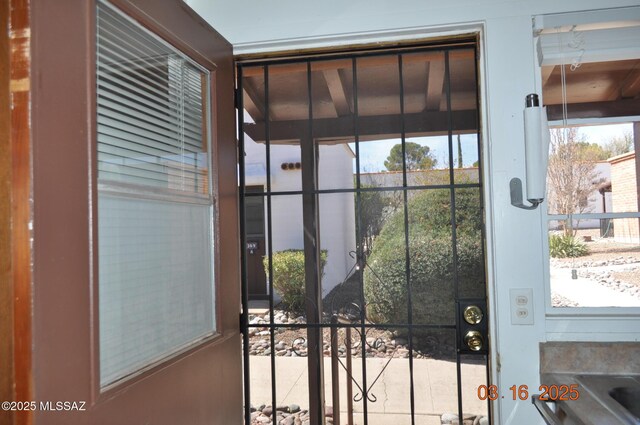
[[155, 206]]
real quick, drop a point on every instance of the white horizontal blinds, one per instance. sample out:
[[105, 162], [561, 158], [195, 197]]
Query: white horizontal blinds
[[155, 281], [155, 213], [151, 99]]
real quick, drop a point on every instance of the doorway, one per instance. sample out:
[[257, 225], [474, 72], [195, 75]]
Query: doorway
[[255, 246], [374, 240]]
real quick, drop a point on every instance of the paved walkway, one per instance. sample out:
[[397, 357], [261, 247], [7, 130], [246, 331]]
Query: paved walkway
[[434, 382], [586, 292]]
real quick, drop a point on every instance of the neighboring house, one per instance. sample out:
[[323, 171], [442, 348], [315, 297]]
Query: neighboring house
[[624, 190], [599, 200], [337, 210]]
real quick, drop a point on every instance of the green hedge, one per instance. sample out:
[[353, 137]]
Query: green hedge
[[431, 259], [288, 276]]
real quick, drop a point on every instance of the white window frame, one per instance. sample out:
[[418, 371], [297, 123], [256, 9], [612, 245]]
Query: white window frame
[[582, 323]]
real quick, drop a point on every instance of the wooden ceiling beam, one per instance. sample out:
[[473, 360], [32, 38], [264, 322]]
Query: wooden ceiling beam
[[425, 123], [337, 91], [607, 109], [546, 74], [626, 87], [631, 85], [254, 103], [435, 85]]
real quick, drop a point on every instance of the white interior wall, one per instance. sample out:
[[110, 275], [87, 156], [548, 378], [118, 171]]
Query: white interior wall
[[508, 73]]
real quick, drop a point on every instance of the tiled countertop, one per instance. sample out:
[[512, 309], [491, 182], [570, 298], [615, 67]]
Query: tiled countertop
[[616, 358], [586, 408], [562, 362]]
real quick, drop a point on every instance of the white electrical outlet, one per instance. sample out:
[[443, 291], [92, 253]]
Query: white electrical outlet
[[521, 300]]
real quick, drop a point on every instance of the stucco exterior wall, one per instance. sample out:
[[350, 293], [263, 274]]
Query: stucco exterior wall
[[625, 197], [337, 211]]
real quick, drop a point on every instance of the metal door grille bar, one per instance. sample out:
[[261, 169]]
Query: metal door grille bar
[[454, 240], [359, 254], [267, 129], [367, 189], [407, 254]]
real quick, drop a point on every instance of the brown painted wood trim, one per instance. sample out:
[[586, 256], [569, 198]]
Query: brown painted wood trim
[[6, 288], [22, 214]]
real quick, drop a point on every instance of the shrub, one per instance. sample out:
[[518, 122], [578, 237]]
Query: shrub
[[431, 260], [288, 276], [563, 246]]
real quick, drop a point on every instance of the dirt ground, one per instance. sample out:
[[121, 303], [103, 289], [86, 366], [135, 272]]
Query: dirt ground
[[605, 250]]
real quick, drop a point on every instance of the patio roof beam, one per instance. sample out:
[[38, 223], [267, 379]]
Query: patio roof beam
[[546, 73], [254, 101], [631, 85], [337, 91], [608, 109], [425, 123], [435, 84]]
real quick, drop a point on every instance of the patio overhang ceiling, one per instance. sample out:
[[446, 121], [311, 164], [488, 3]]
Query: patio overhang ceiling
[[594, 90], [600, 55], [376, 95]]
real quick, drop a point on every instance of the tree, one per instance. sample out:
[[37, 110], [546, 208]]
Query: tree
[[418, 157], [572, 176], [375, 208], [619, 145], [593, 151]]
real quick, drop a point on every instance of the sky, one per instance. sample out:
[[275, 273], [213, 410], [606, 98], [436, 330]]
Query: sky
[[601, 134], [373, 154]]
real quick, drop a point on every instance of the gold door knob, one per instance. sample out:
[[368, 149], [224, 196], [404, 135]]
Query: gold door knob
[[474, 340], [472, 315]]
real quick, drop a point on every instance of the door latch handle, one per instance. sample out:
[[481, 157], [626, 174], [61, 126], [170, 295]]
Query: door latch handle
[[474, 340]]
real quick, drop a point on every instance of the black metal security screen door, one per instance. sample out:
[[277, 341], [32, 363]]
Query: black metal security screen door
[[371, 167]]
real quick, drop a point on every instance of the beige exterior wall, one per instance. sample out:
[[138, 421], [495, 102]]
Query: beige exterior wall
[[625, 197]]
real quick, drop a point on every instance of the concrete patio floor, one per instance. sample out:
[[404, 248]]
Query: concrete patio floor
[[435, 388]]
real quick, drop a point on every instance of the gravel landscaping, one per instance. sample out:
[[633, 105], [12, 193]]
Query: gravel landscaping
[[621, 274], [611, 264], [379, 342], [609, 279], [293, 415], [285, 415]]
